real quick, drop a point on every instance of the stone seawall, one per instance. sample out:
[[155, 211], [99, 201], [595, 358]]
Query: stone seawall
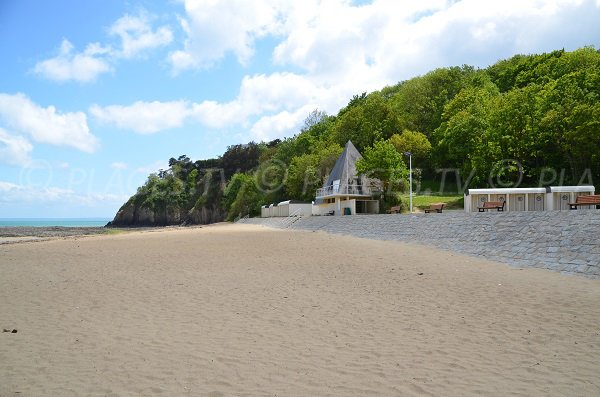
[[566, 241]]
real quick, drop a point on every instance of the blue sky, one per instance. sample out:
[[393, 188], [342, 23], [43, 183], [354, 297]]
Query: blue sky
[[95, 95]]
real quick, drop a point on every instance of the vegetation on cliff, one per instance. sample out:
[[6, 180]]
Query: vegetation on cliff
[[531, 120]]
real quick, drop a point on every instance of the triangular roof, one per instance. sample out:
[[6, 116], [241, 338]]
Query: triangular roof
[[344, 169]]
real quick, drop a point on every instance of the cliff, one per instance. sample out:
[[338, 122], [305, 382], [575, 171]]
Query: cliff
[[137, 215], [178, 196]]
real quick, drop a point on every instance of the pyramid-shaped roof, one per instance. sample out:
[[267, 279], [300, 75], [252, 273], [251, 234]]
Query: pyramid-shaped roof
[[344, 169]]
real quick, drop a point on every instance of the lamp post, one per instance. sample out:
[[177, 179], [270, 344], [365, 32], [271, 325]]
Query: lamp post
[[409, 154]]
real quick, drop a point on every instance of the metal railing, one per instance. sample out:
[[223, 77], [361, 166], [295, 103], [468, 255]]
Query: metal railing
[[290, 219], [241, 218], [344, 189]]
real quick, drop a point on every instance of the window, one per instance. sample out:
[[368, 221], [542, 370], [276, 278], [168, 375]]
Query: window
[[336, 186]]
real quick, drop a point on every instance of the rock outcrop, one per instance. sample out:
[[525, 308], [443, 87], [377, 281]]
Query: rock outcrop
[[135, 214]]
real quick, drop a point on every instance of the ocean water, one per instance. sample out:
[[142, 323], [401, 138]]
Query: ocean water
[[47, 222]]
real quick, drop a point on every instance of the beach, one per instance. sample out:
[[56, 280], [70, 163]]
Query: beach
[[246, 310]]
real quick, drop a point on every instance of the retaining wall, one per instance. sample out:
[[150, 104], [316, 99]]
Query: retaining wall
[[564, 241]]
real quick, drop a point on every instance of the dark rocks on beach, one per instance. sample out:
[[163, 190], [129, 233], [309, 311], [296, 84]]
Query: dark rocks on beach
[[50, 231]]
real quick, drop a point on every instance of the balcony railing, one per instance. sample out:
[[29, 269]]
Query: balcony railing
[[355, 190]]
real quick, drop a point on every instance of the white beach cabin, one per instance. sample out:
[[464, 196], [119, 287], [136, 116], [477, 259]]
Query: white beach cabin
[[286, 208], [551, 198], [294, 208], [345, 192]]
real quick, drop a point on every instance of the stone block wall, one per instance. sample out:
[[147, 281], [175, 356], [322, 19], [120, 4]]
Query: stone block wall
[[564, 241]]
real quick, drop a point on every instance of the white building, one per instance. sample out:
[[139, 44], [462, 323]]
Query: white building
[[286, 208], [345, 192], [552, 198]]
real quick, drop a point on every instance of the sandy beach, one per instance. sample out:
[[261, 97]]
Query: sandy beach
[[247, 310]]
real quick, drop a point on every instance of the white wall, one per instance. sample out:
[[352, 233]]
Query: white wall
[[348, 204], [322, 209], [284, 209], [300, 209]]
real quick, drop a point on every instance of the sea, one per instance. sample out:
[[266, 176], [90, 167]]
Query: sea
[[48, 222]]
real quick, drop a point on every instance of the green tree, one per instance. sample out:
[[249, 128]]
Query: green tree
[[414, 142], [233, 187], [365, 121], [244, 196], [240, 158], [463, 137], [569, 126], [514, 123], [307, 172], [382, 161], [419, 102]]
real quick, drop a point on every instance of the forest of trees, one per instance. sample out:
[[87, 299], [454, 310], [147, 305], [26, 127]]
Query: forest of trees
[[531, 120]]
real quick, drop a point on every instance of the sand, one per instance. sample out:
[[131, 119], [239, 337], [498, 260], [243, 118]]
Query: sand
[[246, 310]]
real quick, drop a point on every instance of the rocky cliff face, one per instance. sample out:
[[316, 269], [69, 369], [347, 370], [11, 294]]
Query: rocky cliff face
[[132, 214]]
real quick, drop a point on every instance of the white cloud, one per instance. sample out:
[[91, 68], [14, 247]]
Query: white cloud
[[152, 168], [14, 150], [259, 94], [136, 35], [7, 186], [389, 41], [278, 125], [18, 194], [46, 125], [336, 42], [119, 165], [216, 28], [83, 67], [22, 193], [143, 117]]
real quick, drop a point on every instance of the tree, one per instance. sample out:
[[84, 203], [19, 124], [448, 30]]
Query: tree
[[242, 196], [514, 123], [570, 124], [382, 161], [314, 118], [240, 158], [233, 187], [463, 137], [364, 121], [414, 142], [307, 172], [419, 102]]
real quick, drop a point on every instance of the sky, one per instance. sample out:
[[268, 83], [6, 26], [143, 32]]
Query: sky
[[97, 94]]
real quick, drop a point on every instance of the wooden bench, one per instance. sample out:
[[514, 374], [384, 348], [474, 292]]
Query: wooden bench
[[435, 207], [490, 205], [593, 199], [394, 210]]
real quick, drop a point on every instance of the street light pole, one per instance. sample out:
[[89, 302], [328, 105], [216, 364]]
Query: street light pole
[[409, 154]]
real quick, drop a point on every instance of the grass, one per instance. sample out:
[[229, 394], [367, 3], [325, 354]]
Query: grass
[[452, 201], [436, 188]]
